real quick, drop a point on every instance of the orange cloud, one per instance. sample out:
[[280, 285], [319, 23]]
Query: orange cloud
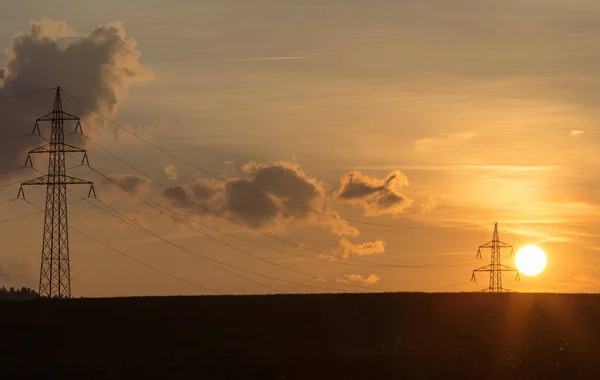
[[358, 279]]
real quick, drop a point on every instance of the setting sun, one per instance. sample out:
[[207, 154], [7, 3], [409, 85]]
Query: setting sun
[[530, 260]]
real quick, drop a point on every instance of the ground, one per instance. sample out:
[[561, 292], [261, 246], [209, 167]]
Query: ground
[[349, 336]]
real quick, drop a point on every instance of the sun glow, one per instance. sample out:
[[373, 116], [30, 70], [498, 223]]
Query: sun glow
[[530, 260]]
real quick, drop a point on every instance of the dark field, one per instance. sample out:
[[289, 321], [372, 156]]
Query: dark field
[[379, 336]]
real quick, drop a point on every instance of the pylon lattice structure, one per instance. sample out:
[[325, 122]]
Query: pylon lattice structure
[[55, 271], [495, 268]]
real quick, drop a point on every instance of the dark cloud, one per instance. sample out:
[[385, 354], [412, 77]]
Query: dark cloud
[[96, 68], [280, 184], [282, 181], [188, 196], [374, 195]]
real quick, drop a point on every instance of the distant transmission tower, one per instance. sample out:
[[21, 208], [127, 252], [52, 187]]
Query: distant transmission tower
[[495, 268], [55, 272]]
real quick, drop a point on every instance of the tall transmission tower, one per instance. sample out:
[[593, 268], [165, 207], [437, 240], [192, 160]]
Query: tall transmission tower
[[495, 268], [55, 271]]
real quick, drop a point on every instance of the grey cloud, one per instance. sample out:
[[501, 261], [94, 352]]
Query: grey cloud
[[374, 195], [186, 196], [239, 199], [96, 68]]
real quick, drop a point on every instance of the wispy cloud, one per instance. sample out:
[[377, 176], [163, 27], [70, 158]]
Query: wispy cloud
[[261, 59]]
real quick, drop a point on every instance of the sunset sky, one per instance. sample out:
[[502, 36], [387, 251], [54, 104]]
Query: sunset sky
[[439, 118]]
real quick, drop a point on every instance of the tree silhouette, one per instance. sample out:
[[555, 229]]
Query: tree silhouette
[[13, 294]]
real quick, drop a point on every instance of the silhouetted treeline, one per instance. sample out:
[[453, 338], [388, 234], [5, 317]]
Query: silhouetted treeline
[[13, 294]]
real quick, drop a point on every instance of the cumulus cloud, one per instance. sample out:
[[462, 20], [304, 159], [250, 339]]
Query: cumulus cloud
[[96, 68], [358, 279], [263, 198], [362, 249], [376, 196], [188, 196]]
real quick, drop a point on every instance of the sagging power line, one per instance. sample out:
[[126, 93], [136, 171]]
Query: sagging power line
[[259, 194]]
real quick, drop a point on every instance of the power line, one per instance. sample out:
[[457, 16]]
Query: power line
[[12, 170], [130, 257], [261, 194], [26, 94], [143, 263], [204, 258], [14, 138], [18, 147], [364, 263], [444, 286], [148, 201], [192, 253], [8, 201], [28, 215]]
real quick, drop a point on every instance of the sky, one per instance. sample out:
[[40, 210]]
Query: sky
[[419, 124]]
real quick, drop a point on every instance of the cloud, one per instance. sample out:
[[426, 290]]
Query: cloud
[[133, 182], [263, 198], [577, 132], [187, 196], [171, 172], [95, 68], [430, 205], [376, 196], [263, 59], [358, 279], [362, 249]]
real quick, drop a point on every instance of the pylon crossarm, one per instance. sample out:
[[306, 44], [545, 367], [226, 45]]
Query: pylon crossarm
[[484, 269], [502, 244], [50, 116], [47, 180], [506, 268], [64, 148], [487, 245]]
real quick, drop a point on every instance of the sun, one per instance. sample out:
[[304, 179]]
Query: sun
[[530, 260]]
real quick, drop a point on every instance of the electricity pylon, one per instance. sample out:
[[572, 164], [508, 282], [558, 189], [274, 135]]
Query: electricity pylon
[[55, 271], [495, 268]]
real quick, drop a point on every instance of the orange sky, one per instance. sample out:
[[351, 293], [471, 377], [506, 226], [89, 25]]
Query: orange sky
[[487, 110]]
